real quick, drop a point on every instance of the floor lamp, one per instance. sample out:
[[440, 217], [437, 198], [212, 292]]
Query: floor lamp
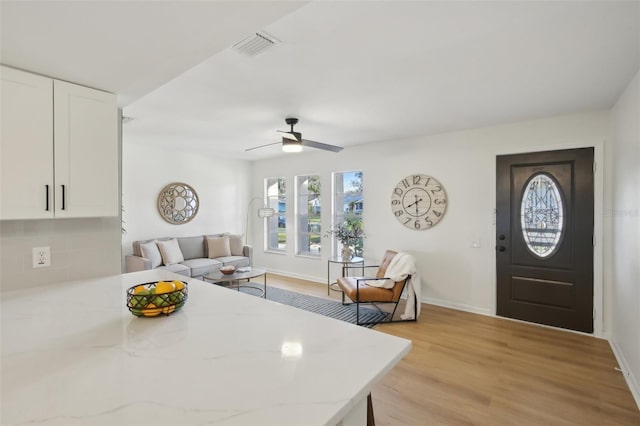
[[263, 212]]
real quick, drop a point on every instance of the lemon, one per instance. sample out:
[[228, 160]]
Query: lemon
[[179, 284], [140, 289], [168, 309], [151, 310], [165, 287]]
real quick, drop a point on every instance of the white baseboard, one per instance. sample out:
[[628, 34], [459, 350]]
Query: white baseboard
[[298, 276], [628, 375], [428, 300], [458, 306]]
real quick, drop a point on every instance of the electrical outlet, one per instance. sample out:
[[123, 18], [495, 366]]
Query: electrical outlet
[[41, 257]]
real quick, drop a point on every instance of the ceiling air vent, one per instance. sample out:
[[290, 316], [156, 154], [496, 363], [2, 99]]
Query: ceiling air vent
[[255, 44]]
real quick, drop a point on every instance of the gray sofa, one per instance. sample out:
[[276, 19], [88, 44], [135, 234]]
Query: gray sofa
[[195, 252]]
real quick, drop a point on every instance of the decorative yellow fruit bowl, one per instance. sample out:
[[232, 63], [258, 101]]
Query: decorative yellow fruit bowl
[[158, 297], [228, 270]]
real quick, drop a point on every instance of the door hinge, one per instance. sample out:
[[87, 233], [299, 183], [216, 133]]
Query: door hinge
[[593, 241], [594, 314], [594, 167]]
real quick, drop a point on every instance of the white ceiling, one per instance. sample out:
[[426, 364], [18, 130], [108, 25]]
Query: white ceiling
[[353, 71]]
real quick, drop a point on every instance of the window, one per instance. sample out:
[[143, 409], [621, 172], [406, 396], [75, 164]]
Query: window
[[308, 209], [348, 205], [276, 225], [541, 215]]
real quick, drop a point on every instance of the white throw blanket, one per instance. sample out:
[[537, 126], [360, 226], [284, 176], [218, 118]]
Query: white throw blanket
[[401, 265]]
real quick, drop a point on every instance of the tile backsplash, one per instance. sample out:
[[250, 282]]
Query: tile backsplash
[[80, 248]]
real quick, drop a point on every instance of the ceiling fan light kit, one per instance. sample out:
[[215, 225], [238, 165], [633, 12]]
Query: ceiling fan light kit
[[289, 145]]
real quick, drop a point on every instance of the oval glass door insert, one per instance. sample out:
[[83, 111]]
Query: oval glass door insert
[[542, 215]]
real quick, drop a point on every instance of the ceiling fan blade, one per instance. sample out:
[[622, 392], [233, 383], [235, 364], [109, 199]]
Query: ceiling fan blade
[[320, 145], [262, 146], [294, 136]]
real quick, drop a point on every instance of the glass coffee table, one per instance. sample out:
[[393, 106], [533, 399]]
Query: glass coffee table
[[241, 274]]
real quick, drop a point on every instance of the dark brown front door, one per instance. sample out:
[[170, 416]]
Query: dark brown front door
[[544, 238]]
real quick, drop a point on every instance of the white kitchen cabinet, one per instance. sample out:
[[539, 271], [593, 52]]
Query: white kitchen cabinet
[[61, 138], [86, 151], [26, 145]]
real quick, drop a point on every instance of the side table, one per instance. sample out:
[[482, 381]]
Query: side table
[[345, 263]]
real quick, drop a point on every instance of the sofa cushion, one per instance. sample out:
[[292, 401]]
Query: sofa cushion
[[136, 244], [206, 245], [192, 247], [170, 251], [201, 267], [237, 261], [218, 247], [150, 251], [178, 269], [236, 245]]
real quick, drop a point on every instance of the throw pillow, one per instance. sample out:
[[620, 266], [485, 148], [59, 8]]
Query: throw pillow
[[150, 251], [170, 251], [218, 247], [235, 242]]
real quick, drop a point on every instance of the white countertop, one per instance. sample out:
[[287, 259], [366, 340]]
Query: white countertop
[[72, 354]]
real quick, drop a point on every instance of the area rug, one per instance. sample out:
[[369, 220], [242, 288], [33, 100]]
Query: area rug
[[320, 306]]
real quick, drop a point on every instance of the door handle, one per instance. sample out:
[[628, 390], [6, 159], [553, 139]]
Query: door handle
[[46, 197], [502, 237], [501, 248], [63, 196]]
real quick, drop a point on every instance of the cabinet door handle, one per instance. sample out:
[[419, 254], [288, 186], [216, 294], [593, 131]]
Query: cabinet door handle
[[63, 197], [46, 197]]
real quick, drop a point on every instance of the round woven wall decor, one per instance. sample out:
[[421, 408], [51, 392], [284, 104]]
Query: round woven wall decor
[[178, 203]]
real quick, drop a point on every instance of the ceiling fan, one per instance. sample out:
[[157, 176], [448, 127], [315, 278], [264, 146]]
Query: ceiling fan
[[292, 141]]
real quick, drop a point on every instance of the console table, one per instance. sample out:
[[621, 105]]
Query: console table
[[345, 264]]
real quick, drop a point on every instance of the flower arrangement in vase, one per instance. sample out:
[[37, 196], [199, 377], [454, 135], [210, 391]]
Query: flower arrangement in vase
[[348, 234]]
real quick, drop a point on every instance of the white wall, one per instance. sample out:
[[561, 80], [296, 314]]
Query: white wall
[[625, 224], [453, 273], [221, 185]]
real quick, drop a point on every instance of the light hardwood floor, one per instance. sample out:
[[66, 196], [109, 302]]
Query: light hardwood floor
[[469, 369]]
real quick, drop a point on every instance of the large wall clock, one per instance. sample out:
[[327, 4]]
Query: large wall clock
[[418, 202]]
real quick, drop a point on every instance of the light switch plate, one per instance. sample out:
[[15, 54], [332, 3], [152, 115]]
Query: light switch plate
[[41, 257]]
